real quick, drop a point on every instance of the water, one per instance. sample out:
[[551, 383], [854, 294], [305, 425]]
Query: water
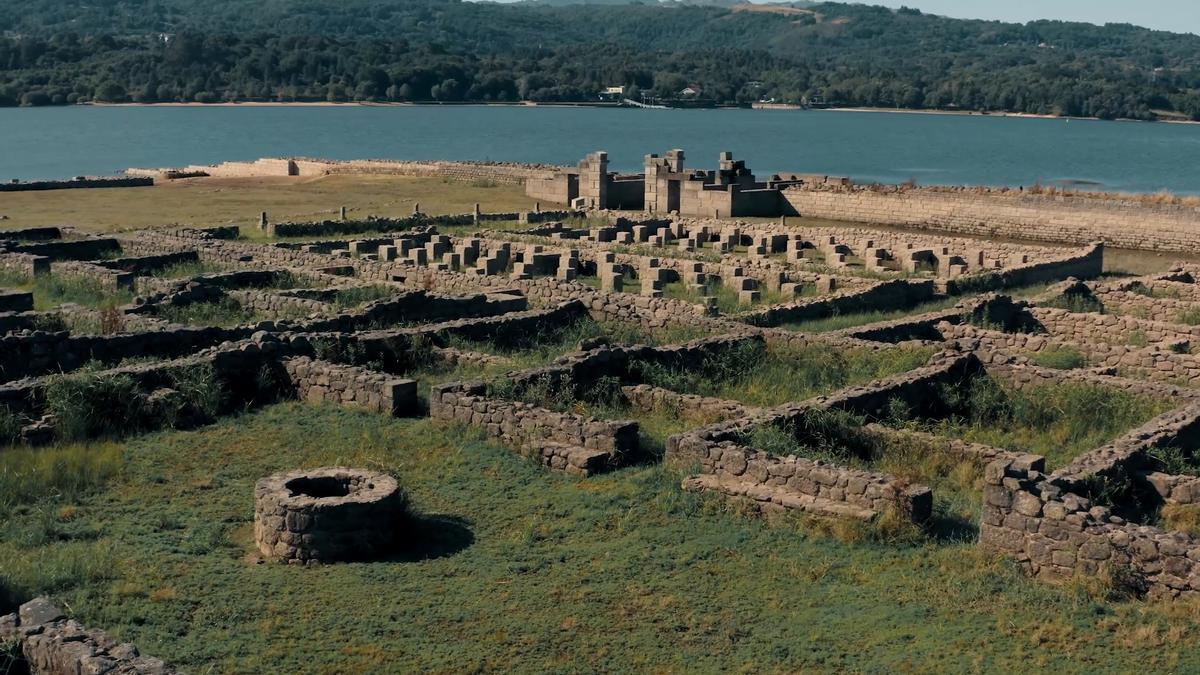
[[885, 147]]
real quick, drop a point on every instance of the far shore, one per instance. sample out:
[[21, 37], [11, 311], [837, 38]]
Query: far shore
[[597, 104]]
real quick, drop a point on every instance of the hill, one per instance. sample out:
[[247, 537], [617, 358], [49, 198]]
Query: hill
[[65, 51]]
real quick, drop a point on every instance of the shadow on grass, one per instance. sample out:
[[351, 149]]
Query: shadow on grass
[[432, 536], [946, 528]]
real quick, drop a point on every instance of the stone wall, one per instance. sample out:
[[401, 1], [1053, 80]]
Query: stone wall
[[1006, 214], [1057, 535], [562, 441], [885, 295], [52, 644], [1087, 264], [79, 249], [320, 381], [23, 186], [40, 353]]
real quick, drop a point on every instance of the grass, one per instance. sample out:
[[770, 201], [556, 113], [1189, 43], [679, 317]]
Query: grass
[[50, 291], [360, 295], [1059, 421], [1075, 302], [1190, 317], [187, 270], [223, 312], [221, 201], [782, 374], [538, 572], [834, 436], [843, 321], [92, 402]]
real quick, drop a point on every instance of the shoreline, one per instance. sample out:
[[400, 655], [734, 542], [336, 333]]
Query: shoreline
[[591, 104]]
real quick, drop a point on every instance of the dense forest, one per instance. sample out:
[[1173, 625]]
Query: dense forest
[[56, 52]]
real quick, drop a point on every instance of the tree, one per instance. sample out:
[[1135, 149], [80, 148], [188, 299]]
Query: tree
[[110, 92]]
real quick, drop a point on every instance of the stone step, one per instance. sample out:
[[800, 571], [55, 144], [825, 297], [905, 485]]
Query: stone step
[[779, 496]]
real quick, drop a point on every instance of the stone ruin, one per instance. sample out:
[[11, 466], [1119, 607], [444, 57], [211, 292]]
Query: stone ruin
[[327, 515], [733, 283]]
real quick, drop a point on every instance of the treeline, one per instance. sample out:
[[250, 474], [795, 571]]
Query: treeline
[[441, 50]]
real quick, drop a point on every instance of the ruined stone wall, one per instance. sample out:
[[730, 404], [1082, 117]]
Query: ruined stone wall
[[885, 295], [24, 186], [107, 278], [52, 644], [1154, 362], [649, 398], [561, 441], [318, 381], [1072, 220], [1057, 535], [25, 263], [39, 353], [1022, 376], [1087, 264], [80, 249]]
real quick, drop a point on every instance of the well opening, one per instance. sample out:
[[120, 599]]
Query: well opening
[[320, 487]]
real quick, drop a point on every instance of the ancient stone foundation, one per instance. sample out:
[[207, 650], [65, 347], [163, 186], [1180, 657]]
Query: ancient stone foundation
[[326, 515], [51, 644]]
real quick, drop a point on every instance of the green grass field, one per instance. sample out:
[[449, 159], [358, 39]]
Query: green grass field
[[223, 201], [518, 569]]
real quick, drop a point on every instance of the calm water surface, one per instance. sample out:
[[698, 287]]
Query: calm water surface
[[886, 147]]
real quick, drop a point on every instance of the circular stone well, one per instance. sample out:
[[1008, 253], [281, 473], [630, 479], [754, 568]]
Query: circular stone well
[[326, 515]]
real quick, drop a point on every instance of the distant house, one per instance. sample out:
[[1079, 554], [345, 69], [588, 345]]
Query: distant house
[[612, 94], [691, 91]]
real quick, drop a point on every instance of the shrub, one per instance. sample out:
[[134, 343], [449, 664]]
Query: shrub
[[1076, 302], [90, 403], [1190, 316]]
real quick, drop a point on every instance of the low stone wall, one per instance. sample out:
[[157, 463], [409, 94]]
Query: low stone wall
[[323, 382], [886, 295], [148, 263], [919, 389], [562, 441], [1157, 362], [15, 301], [40, 353], [649, 398], [1057, 535], [25, 186], [106, 277], [275, 303], [1087, 264], [25, 263], [52, 644], [79, 249], [32, 234], [907, 329], [1006, 214], [1179, 428], [1022, 376]]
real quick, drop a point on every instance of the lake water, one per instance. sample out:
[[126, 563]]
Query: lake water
[[885, 147]]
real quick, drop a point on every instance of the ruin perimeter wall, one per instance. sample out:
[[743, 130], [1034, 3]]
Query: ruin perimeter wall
[[1019, 215]]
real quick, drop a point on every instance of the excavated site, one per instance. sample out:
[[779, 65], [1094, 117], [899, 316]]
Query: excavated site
[[898, 381]]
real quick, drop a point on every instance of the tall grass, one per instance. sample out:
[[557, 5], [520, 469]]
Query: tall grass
[[95, 403], [50, 291], [851, 320], [61, 474], [1059, 421], [779, 374]]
